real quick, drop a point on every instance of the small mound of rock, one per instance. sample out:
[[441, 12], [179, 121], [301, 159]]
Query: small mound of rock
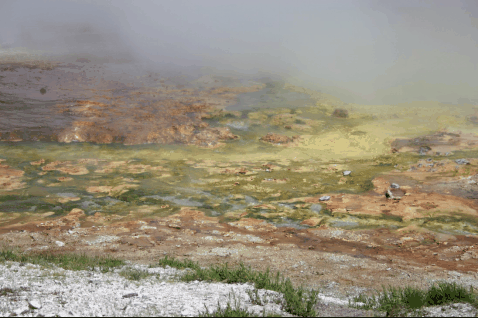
[[278, 138], [340, 113], [394, 193]]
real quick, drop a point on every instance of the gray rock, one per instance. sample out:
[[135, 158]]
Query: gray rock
[[324, 198], [462, 161], [394, 186], [394, 194], [89, 205], [21, 311], [346, 173], [316, 207], [250, 200], [34, 304], [450, 310], [240, 125], [423, 150]]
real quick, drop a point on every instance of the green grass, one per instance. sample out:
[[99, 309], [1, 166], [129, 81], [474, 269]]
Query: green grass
[[67, 261], [297, 301], [236, 311], [135, 274], [175, 263], [399, 301]]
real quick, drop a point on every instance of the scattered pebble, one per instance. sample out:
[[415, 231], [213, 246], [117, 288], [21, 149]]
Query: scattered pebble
[[34, 304], [462, 161]]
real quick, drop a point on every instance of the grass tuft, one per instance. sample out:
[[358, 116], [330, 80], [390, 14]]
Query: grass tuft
[[236, 311], [134, 274], [175, 263], [297, 301], [399, 301], [67, 261]]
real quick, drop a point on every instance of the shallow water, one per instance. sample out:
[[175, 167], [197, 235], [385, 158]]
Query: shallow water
[[159, 179]]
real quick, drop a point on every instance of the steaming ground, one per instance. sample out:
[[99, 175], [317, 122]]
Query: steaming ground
[[108, 158]]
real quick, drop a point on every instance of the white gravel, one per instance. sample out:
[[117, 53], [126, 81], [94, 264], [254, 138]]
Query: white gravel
[[39, 291], [31, 290]]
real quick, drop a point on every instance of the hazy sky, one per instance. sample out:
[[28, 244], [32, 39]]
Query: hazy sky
[[363, 51]]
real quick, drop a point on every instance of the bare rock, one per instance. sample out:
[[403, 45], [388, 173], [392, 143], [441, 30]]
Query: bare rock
[[340, 113]]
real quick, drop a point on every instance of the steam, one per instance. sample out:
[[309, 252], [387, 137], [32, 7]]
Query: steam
[[361, 51]]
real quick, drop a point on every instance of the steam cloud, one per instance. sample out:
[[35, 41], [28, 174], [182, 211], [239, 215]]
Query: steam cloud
[[361, 51]]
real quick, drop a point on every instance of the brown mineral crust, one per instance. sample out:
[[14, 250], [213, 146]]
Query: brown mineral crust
[[413, 204], [443, 170], [313, 221], [278, 139], [68, 199], [10, 179], [64, 179], [119, 189], [145, 125], [38, 162], [340, 113], [440, 142], [209, 137], [11, 63], [106, 111], [13, 136], [83, 131], [66, 167], [365, 258]]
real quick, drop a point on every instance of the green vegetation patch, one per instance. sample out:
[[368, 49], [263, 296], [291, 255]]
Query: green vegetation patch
[[234, 311], [458, 223], [75, 262], [297, 301], [400, 301], [135, 274]]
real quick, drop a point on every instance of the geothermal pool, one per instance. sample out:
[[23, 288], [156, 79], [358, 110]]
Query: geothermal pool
[[119, 139]]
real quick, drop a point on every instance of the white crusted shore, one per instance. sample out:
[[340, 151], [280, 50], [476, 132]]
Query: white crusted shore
[[31, 290]]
